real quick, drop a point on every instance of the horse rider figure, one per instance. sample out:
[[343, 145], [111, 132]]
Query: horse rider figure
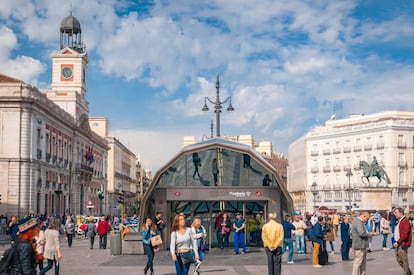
[[374, 167]]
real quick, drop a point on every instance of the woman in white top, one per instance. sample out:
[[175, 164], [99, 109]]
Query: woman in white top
[[52, 248], [182, 245]]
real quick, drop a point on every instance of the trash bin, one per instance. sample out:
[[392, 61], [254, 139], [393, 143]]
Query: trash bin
[[115, 243]]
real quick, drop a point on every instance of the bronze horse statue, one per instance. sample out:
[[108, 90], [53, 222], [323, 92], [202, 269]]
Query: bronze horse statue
[[377, 172]]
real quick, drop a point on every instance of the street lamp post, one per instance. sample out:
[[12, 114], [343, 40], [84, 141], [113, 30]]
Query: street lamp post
[[314, 190], [217, 106], [349, 175]]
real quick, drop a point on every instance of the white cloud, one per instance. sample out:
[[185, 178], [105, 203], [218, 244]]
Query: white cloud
[[24, 68]]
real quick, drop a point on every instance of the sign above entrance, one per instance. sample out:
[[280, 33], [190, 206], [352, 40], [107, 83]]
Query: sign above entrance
[[240, 194], [178, 193], [258, 193]]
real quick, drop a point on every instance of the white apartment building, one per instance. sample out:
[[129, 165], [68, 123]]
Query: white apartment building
[[319, 161]]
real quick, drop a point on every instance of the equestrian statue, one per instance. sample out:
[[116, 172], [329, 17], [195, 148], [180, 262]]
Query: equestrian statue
[[373, 170]]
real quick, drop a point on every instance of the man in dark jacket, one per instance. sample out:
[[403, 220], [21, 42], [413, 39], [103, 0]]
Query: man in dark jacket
[[24, 260], [403, 236], [317, 240], [287, 238]]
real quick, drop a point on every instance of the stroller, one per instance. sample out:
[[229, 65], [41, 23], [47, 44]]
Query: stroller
[[81, 231]]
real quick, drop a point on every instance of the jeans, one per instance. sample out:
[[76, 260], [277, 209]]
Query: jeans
[[70, 239], [102, 241], [274, 261], [300, 243], [149, 251], [219, 238], [239, 237], [180, 268], [49, 266], [384, 240], [289, 244], [345, 250]]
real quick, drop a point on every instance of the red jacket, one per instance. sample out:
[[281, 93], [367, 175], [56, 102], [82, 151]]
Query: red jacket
[[404, 228], [103, 228]]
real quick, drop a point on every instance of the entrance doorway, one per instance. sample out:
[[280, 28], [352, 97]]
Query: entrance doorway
[[207, 212]]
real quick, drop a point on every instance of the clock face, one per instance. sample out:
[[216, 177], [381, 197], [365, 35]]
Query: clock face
[[67, 72]]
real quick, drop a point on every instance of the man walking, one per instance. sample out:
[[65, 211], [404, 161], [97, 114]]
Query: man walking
[[272, 236], [102, 229], [300, 227], [360, 243], [402, 238]]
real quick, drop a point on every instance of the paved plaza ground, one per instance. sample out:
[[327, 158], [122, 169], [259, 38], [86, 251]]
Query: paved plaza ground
[[81, 260]]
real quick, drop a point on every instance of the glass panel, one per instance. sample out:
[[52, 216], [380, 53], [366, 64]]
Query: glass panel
[[216, 167]]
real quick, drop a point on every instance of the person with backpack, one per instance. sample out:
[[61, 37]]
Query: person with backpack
[[23, 253]]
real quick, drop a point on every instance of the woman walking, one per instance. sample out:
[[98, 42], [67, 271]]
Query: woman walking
[[91, 231], [385, 230], [148, 231], [52, 248], [199, 233], [69, 230], [183, 246]]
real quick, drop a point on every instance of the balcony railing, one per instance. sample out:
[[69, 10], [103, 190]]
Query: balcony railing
[[357, 148], [39, 182], [54, 159], [314, 153], [327, 169], [337, 150], [47, 157], [380, 145], [337, 187], [347, 149], [314, 169], [47, 184], [367, 147], [337, 168], [357, 167], [402, 164], [326, 152], [80, 167], [402, 145], [326, 187], [347, 167]]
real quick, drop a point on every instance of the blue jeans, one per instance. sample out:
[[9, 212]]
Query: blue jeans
[[180, 268], [149, 251], [345, 249], [239, 237], [384, 240], [300, 243], [49, 266], [289, 244]]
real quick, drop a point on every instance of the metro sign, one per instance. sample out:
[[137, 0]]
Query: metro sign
[[177, 194], [258, 193]]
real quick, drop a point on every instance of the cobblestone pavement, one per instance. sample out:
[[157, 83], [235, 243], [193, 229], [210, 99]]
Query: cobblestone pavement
[[81, 260]]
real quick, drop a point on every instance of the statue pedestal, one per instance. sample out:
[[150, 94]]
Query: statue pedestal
[[373, 199]]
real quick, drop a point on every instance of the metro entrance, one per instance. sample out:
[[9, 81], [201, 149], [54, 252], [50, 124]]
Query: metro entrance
[[207, 211]]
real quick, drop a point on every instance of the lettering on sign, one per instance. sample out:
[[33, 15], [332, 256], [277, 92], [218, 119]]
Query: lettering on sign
[[240, 194]]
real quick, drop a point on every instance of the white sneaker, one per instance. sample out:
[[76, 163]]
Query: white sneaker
[[317, 265], [197, 266], [332, 252], [291, 262], [385, 248]]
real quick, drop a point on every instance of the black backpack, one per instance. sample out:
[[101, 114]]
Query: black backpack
[[6, 260]]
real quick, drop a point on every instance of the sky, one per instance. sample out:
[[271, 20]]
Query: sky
[[288, 65]]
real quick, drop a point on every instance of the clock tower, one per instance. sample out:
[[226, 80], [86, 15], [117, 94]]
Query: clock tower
[[69, 70]]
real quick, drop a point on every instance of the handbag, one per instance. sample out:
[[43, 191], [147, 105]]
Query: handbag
[[188, 257], [204, 246], [156, 240]]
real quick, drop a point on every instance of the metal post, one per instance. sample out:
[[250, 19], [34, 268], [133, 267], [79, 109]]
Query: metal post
[[217, 105]]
